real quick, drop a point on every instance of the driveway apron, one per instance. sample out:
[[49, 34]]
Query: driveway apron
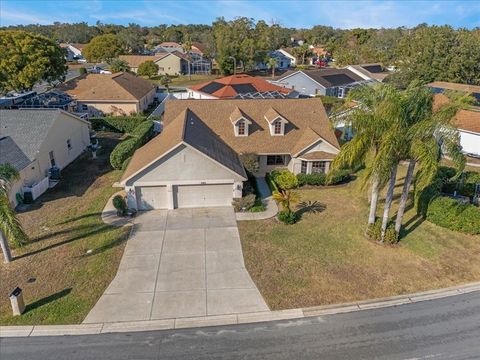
[[180, 263]]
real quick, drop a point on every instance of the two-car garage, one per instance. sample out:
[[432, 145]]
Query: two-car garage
[[184, 196]]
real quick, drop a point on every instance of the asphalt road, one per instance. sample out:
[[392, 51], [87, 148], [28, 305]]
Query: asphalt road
[[447, 328]]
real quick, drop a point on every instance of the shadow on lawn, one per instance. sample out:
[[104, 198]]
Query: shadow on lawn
[[47, 299], [313, 207], [96, 230]]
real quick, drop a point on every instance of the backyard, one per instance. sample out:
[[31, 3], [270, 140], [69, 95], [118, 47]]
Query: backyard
[[184, 80], [325, 257], [73, 255]]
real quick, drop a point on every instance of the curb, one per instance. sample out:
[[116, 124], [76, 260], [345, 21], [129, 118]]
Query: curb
[[234, 319]]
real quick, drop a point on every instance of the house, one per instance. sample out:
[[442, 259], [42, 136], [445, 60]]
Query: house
[[170, 63], [240, 85], [283, 62], [74, 50], [195, 161], [329, 82], [288, 54], [199, 48], [468, 123], [370, 71], [35, 140], [439, 87], [117, 94]]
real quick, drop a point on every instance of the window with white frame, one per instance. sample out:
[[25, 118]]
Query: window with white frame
[[318, 167], [275, 160], [304, 167]]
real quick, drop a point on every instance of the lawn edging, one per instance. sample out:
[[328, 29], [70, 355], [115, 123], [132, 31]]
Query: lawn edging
[[245, 318]]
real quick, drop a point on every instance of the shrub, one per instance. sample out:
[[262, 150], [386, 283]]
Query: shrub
[[148, 68], [244, 203], [374, 232], [271, 182], [311, 179], [287, 217], [124, 150], [339, 176], [120, 204], [250, 162], [451, 214], [286, 180], [82, 71], [258, 208], [123, 124]]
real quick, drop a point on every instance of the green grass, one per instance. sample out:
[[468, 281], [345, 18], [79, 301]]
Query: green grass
[[63, 225], [325, 258], [184, 80]]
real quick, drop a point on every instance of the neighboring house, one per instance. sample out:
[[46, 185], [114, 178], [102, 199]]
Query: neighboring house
[[370, 71], [283, 62], [439, 87], [288, 54], [74, 51], [53, 99], [116, 94], [34, 141], [199, 48], [195, 161], [468, 123], [170, 63], [234, 86], [330, 82]]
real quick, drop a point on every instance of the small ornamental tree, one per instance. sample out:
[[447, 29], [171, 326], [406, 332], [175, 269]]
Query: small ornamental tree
[[148, 68], [118, 65], [165, 80], [286, 196]]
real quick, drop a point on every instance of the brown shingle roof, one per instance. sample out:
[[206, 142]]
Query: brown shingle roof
[[135, 60], [307, 122], [464, 119], [455, 86], [185, 128], [318, 155], [114, 87]]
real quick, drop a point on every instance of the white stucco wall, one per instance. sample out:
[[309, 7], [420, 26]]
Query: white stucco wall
[[301, 83], [470, 142]]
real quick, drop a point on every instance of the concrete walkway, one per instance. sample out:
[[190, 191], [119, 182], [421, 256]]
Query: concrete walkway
[[109, 213], [270, 204], [178, 264]]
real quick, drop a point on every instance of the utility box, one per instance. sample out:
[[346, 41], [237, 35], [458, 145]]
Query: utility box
[[16, 299]]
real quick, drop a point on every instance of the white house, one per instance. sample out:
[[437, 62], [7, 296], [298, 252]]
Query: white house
[[35, 140]]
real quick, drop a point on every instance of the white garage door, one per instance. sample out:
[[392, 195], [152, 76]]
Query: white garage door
[[203, 195], [152, 197]]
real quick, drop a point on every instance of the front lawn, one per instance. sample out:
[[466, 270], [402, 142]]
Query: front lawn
[[73, 255], [325, 258], [185, 81]]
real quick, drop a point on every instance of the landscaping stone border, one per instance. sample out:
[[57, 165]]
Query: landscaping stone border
[[219, 320]]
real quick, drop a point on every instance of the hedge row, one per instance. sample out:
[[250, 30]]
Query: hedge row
[[124, 150], [123, 124], [451, 214], [318, 179]]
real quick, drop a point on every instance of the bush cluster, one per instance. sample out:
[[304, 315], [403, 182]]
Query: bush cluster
[[124, 150], [374, 232], [336, 177], [120, 205], [245, 202], [451, 214], [287, 217], [271, 182], [123, 124]]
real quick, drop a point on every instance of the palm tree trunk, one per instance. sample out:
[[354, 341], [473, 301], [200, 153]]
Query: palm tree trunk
[[5, 248], [373, 202], [404, 198], [388, 200]]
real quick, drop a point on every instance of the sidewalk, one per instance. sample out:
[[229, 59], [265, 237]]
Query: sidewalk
[[270, 204]]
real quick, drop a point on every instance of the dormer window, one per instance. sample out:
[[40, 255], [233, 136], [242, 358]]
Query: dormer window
[[277, 127], [276, 122], [241, 128]]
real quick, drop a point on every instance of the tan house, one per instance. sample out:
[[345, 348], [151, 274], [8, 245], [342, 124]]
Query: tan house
[[195, 161], [35, 140], [116, 94], [170, 63]]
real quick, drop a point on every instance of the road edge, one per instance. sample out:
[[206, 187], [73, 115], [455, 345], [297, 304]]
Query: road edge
[[233, 319]]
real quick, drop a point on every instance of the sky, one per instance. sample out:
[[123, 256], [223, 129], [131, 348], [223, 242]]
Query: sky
[[299, 14]]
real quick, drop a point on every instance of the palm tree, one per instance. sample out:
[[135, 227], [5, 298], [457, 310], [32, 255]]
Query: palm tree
[[286, 198], [10, 228], [272, 64], [430, 135], [370, 122]]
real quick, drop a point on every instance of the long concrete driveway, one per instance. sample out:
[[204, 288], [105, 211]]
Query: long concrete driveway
[[180, 263]]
